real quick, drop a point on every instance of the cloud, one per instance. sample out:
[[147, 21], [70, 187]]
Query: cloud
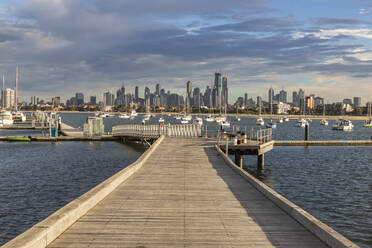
[[332, 33], [340, 21]]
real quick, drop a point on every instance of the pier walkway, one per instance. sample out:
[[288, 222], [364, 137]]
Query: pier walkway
[[185, 195]]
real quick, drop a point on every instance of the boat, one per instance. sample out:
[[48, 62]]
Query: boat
[[6, 118], [343, 125], [161, 120], [178, 117], [187, 117], [209, 118], [133, 113], [103, 115], [19, 116], [184, 121], [368, 123], [271, 124], [110, 115], [124, 116], [237, 118], [280, 120], [198, 121], [286, 118], [224, 123], [302, 123], [220, 118], [324, 122], [260, 121], [18, 139]]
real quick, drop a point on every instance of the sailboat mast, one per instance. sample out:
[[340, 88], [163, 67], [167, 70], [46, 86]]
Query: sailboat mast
[[16, 91], [3, 94]]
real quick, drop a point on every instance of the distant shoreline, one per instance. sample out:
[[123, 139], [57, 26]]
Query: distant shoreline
[[329, 117]]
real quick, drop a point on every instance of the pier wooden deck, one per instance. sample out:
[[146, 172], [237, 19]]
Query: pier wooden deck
[[186, 196]]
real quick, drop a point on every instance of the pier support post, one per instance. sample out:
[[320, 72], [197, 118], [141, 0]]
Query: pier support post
[[307, 131], [238, 159], [260, 162]]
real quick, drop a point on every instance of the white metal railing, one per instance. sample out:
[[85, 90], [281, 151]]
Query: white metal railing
[[154, 131]]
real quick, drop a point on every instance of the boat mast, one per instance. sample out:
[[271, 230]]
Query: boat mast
[[3, 94], [16, 91]]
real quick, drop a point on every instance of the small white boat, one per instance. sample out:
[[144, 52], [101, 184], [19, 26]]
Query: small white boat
[[6, 118], [133, 113], [260, 121], [178, 117], [280, 120], [324, 122], [271, 124], [184, 121], [198, 121], [343, 125], [209, 118], [286, 118], [19, 116], [302, 123], [367, 123], [102, 115], [124, 116], [187, 117], [237, 118], [110, 115], [224, 123], [161, 120], [220, 118]]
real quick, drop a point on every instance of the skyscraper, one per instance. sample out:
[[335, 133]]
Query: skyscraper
[[147, 93], [93, 100], [136, 93], [245, 99], [271, 96], [295, 99], [217, 86], [283, 96], [225, 95], [357, 101], [79, 98], [108, 99], [157, 89], [196, 97], [188, 93]]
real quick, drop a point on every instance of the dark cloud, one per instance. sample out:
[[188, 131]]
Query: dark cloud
[[70, 45], [340, 21]]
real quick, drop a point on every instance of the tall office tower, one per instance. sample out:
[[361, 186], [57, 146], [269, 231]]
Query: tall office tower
[[157, 89], [283, 96], [108, 99], [93, 100], [196, 97], [188, 93], [310, 103], [271, 96], [295, 99], [217, 85], [16, 91], [245, 99], [225, 92], [301, 94], [9, 98], [259, 101], [357, 101], [136, 96], [207, 97], [147, 93], [79, 98]]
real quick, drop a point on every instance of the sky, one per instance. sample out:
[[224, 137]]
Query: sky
[[91, 46]]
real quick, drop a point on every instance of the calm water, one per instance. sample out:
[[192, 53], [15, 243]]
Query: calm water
[[284, 131], [39, 178], [332, 183]]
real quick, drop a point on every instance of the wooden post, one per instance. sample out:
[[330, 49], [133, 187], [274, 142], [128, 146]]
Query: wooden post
[[227, 146], [307, 131], [260, 162], [238, 159]]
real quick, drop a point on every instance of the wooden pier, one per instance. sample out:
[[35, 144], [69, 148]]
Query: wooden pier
[[182, 193]]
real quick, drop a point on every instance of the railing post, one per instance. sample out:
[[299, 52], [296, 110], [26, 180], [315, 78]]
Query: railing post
[[227, 145]]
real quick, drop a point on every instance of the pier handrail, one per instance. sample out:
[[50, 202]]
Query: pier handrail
[[154, 131]]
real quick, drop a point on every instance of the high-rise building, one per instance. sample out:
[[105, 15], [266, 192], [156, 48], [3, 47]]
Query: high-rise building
[[347, 101], [108, 99], [310, 103], [271, 96], [56, 101], [207, 99], [147, 93], [283, 96], [217, 86], [79, 97], [136, 96], [245, 99], [301, 94], [357, 101], [8, 98], [196, 97], [295, 99], [93, 100], [188, 93], [225, 93], [157, 89]]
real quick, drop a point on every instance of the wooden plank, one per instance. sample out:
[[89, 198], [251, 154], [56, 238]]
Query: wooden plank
[[185, 195]]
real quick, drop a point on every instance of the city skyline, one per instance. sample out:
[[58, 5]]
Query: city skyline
[[324, 48]]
